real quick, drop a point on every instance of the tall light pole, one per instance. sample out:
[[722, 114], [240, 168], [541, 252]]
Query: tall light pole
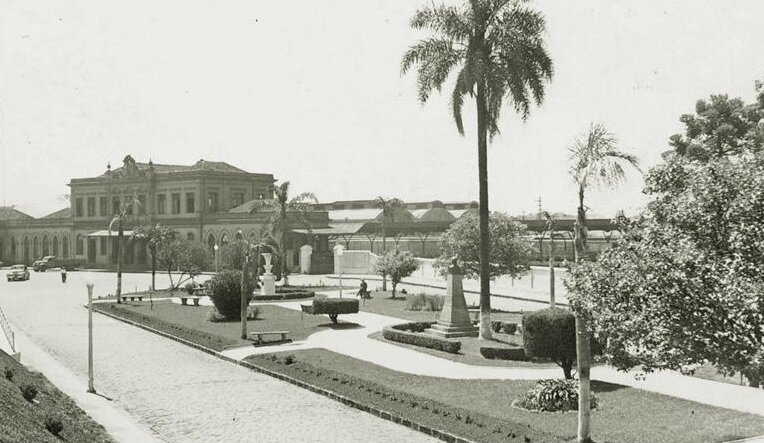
[[215, 248], [244, 295], [89, 285], [338, 250]]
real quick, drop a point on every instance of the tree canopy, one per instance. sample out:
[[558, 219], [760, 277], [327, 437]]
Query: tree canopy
[[397, 265], [684, 286], [511, 251]]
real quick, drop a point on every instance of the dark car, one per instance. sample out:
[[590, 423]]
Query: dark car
[[18, 273]]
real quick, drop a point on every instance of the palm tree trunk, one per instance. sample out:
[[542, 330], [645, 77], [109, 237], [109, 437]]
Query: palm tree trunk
[[485, 288], [282, 245], [583, 351], [120, 246], [153, 269], [384, 246], [244, 298], [551, 282]]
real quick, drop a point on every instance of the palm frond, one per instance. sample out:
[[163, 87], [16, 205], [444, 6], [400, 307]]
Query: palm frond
[[448, 21], [596, 160]]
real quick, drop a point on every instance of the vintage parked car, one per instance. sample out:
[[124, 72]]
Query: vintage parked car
[[46, 263], [18, 272]]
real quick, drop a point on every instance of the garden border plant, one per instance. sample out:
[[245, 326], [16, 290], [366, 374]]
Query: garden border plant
[[413, 334]]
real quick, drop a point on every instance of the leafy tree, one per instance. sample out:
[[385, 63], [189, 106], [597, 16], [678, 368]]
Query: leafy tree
[[233, 254], [595, 161], [497, 47], [684, 286], [511, 252], [280, 207], [398, 265], [388, 207], [186, 257], [155, 235]]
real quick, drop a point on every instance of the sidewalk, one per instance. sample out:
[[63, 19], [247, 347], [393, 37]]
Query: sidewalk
[[356, 343]]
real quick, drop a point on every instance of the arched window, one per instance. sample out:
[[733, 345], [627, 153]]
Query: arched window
[[55, 246], [35, 248], [239, 236], [211, 242], [13, 249], [45, 246], [65, 246], [190, 236], [79, 245], [26, 249], [224, 239]]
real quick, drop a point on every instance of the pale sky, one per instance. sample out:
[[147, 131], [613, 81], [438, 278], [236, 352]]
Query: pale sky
[[311, 92]]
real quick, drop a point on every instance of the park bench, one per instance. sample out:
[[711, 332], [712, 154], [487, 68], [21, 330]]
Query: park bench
[[260, 334], [184, 299], [132, 297]]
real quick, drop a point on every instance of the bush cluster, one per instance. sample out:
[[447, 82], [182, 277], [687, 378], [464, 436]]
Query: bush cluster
[[189, 287], [424, 302], [515, 354], [553, 396], [226, 293], [504, 327], [400, 334], [413, 326]]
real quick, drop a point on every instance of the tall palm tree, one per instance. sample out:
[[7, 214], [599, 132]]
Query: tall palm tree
[[388, 207], [595, 161], [497, 47], [280, 205], [120, 216]]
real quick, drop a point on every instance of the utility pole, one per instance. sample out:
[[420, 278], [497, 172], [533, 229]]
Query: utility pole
[[538, 202]]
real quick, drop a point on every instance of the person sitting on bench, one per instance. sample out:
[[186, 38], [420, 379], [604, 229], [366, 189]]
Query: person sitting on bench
[[364, 291]]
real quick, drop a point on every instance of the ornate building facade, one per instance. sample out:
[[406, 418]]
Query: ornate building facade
[[196, 201]]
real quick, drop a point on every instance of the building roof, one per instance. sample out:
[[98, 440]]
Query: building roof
[[61, 213], [354, 214], [437, 214], [252, 205], [201, 165], [11, 213]]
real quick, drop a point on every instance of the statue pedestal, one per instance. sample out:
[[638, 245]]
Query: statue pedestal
[[269, 285], [454, 319]]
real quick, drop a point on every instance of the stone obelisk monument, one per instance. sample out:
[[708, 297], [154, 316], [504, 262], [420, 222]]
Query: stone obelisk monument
[[454, 319]]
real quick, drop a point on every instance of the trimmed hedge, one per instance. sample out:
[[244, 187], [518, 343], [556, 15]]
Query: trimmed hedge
[[226, 293], [335, 306], [515, 354], [551, 333], [292, 294], [400, 333]]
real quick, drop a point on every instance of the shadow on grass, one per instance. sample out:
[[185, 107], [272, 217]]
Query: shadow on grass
[[340, 326], [601, 386]]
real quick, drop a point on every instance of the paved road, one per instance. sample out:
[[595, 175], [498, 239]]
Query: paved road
[[182, 394]]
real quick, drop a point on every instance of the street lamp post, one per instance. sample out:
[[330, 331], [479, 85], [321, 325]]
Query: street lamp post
[[89, 284], [244, 296], [338, 250], [215, 248]]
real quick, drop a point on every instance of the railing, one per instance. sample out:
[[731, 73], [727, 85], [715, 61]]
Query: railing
[[8, 331]]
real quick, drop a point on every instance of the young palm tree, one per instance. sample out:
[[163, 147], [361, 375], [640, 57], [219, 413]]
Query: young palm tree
[[388, 207], [595, 161], [280, 205], [118, 221], [497, 47]]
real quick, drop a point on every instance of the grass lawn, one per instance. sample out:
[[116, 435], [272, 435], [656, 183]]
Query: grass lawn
[[626, 415], [24, 421], [190, 322]]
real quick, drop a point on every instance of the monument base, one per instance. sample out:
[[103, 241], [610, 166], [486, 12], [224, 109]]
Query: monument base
[[453, 330], [269, 285]]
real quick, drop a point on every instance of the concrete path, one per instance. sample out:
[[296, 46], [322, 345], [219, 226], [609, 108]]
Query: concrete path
[[172, 391], [356, 343]]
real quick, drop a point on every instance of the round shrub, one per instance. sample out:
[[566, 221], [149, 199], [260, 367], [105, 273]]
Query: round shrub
[[509, 328], [226, 293], [29, 392], [189, 287], [53, 424], [553, 396], [551, 333]]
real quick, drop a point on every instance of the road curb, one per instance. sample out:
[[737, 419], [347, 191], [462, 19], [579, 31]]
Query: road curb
[[381, 413]]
